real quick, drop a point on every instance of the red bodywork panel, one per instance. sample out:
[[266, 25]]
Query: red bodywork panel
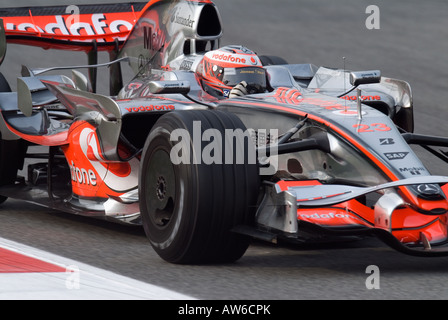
[[92, 176]]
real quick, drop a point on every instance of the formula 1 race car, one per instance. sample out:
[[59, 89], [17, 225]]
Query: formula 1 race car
[[317, 153]]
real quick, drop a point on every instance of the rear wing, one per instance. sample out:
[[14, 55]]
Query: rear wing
[[149, 34], [87, 28], [104, 26]]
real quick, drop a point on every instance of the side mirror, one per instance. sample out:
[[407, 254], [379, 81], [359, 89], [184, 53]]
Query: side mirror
[[365, 77], [160, 87]]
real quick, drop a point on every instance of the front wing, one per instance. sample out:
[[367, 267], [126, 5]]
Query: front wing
[[292, 209]]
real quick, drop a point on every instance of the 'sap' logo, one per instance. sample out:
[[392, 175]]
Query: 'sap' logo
[[396, 155]]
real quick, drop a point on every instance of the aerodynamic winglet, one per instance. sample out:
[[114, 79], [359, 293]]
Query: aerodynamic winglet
[[24, 98], [81, 81], [326, 195]]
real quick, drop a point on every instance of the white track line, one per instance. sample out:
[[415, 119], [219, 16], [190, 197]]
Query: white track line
[[81, 281]]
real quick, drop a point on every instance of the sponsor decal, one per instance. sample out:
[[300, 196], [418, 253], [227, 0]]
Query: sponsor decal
[[67, 25], [287, 95], [186, 65], [151, 108], [153, 39], [329, 215], [253, 61], [336, 217], [363, 98], [184, 21], [228, 58], [387, 141], [83, 176], [415, 171], [121, 177], [428, 189], [396, 155]]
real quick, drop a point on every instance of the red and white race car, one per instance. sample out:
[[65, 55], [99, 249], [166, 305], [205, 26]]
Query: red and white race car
[[305, 152]]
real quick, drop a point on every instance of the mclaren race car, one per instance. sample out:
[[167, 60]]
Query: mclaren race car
[[317, 152]]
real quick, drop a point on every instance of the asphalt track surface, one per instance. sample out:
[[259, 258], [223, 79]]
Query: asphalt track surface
[[411, 44]]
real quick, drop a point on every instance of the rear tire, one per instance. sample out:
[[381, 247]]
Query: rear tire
[[11, 152], [188, 210]]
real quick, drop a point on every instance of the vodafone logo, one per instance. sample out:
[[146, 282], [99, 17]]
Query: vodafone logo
[[151, 108], [118, 182], [82, 176], [72, 25], [253, 61], [228, 58]]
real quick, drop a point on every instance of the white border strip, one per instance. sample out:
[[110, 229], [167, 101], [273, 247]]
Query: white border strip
[[80, 281]]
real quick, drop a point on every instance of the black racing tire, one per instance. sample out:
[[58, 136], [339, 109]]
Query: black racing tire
[[189, 210], [11, 152], [12, 155], [272, 60]]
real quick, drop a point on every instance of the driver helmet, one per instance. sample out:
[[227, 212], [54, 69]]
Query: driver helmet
[[222, 69]]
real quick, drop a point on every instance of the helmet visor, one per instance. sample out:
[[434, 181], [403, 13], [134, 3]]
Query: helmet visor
[[252, 75]]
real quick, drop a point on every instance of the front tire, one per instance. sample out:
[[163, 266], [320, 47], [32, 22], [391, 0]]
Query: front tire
[[188, 209]]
